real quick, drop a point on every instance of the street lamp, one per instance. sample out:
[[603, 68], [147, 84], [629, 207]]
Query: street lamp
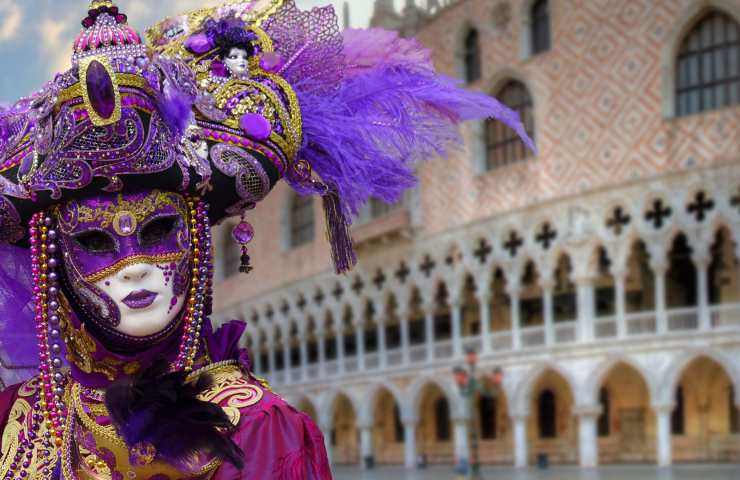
[[469, 386]]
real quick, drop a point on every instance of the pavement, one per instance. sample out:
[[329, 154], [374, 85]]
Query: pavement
[[621, 472]]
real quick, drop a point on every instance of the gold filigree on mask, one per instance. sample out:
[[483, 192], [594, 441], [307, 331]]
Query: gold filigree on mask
[[116, 211]]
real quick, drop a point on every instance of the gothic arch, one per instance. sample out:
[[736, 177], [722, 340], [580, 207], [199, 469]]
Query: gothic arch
[[413, 395], [523, 391], [594, 381], [679, 363], [367, 407]]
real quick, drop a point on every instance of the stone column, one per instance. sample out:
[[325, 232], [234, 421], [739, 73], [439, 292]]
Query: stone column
[[549, 311], [360, 341], [409, 443], [326, 429], [340, 348], [520, 439], [516, 336], [321, 339], [588, 445], [429, 330], [403, 318], [585, 305], [382, 355], [663, 433], [484, 303], [271, 368], [287, 367], [456, 317], [702, 283], [366, 443], [620, 303], [462, 436], [304, 356], [661, 319], [256, 357]]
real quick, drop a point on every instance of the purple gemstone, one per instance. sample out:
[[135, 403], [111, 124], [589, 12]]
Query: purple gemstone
[[199, 43], [271, 62], [243, 233], [100, 89], [218, 68], [255, 126]]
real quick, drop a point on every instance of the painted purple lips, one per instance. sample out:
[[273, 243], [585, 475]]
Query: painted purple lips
[[139, 299]]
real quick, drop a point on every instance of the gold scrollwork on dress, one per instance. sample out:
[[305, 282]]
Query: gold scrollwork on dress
[[230, 390]]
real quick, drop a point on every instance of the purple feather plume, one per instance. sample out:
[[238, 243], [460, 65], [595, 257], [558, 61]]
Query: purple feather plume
[[390, 110]]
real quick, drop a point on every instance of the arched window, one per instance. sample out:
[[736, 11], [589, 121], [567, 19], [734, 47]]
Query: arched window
[[301, 220], [442, 419], [546, 415], [487, 417], [231, 256], [604, 418], [540, 16], [708, 65], [681, 279], [503, 145], [472, 56], [677, 416]]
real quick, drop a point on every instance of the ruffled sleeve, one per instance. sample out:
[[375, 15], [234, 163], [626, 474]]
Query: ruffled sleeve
[[279, 443]]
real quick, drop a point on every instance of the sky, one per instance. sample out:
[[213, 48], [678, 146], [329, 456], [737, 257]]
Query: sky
[[36, 35]]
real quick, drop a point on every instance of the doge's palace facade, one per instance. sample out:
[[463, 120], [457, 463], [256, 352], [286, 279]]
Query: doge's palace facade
[[600, 275]]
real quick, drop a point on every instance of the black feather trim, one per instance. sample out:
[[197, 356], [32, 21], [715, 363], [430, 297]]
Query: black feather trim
[[161, 408]]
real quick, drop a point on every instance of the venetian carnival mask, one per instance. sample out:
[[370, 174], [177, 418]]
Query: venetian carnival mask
[[126, 259], [237, 62]]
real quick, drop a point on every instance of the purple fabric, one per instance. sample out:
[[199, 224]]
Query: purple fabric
[[18, 344], [279, 443]]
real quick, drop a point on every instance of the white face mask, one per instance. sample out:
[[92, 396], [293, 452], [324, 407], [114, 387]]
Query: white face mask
[[144, 296], [237, 62]]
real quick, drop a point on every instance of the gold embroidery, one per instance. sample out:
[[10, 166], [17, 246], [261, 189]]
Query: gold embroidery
[[13, 429], [106, 437], [230, 390], [255, 15], [123, 80], [20, 423], [105, 215]]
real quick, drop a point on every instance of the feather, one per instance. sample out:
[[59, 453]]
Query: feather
[[176, 108], [366, 49], [390, 110], [161, 408]]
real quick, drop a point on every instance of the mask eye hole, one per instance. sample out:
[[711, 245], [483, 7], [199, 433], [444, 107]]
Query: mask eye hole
[[157, 230], [96, 242]]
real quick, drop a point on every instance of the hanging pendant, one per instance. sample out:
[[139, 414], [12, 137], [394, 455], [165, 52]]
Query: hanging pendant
[[243, 233]]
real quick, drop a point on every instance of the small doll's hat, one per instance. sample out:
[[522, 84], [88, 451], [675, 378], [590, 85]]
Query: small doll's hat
[[342, 115]]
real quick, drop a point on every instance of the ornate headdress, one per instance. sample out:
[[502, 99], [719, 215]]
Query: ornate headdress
[[342, 115], [222, 104]]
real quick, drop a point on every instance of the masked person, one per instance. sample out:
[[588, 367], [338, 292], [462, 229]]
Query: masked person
[[111, 177]]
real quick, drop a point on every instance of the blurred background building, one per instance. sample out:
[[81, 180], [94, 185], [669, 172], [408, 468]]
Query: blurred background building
[[601, 274]]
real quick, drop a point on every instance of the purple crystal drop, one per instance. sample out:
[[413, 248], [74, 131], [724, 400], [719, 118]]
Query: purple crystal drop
[[243, 233], [100, 89]]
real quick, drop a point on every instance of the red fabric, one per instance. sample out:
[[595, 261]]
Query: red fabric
[[279, 443], [7, 399]]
